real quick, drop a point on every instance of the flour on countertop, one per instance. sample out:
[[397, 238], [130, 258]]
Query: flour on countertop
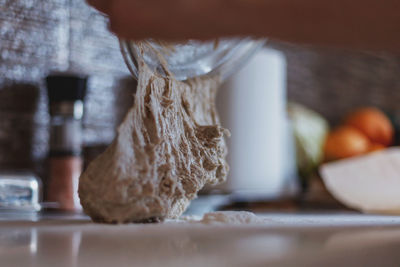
[[225, 217], [168, 147]]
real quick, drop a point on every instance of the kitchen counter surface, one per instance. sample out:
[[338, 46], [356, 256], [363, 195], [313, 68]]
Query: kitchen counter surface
[[342, 239]]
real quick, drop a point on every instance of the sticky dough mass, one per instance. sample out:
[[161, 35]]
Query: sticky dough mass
[[168, 147]]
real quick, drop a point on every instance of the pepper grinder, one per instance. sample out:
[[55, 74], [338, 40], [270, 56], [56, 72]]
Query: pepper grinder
[[66, 99]]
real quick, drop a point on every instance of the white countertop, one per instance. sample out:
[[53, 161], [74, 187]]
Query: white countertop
[[284, 240]]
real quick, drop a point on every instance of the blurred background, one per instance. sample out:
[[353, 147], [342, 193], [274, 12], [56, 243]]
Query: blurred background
[[38, 37]]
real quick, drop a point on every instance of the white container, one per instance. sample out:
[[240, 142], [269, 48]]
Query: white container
[[252, 105]]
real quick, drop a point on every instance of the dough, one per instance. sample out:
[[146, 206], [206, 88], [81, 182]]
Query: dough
[[168, 147], [224, 217], [231, 217]]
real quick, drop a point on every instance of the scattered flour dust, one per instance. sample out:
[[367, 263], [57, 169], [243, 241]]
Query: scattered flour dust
[[225, 217]]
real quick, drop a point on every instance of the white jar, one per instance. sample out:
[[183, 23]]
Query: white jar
[[261, 152]]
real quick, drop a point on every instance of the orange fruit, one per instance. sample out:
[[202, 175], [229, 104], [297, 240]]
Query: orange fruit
[[344, 142], [373, 123], [376, 147]]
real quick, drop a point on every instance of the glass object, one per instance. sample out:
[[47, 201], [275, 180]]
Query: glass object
[[20, 191], [192, 58]]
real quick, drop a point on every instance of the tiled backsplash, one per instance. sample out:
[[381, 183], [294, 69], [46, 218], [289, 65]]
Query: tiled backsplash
[[334, 81]]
